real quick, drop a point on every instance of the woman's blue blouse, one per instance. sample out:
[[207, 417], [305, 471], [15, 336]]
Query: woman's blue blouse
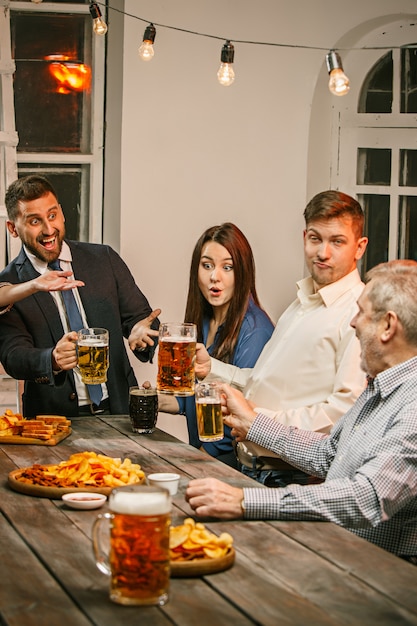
[[255, 331]]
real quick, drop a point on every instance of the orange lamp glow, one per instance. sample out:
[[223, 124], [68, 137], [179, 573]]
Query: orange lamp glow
[[70, 75]]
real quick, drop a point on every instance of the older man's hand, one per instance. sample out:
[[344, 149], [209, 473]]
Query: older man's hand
[[209, 497], [238, 412]]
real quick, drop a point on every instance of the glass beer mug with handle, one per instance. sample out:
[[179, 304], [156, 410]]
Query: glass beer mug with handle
[[138, 561], [93, 355], [176, 358], [209, 411]]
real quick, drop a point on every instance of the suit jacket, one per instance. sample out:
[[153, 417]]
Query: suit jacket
[[31, 329]]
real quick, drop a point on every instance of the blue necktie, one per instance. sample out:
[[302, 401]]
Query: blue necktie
[[76, 323]]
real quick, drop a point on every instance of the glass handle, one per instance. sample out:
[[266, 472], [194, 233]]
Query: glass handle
[[101, 553]]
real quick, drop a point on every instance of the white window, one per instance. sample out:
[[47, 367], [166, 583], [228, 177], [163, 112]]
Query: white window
[[377, 151], [58, 105]]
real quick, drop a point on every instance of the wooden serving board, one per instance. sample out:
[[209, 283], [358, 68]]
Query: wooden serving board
[[55, 493], [34, 441], [202, 567]]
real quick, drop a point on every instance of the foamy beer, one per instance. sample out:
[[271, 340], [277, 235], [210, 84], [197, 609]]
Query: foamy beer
[[93, 355], [139, 560], [176, 356], [209, 412]]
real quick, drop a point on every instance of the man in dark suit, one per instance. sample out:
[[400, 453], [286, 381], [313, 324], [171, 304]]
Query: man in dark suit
[[37, 343]]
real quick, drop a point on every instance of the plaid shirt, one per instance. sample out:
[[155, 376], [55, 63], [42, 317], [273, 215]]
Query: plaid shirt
[[369, 462]]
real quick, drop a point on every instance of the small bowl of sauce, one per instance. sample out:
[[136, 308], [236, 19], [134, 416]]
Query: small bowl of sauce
[[84, 500]]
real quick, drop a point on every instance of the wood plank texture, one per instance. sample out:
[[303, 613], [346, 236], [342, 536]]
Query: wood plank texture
[[286, 573]]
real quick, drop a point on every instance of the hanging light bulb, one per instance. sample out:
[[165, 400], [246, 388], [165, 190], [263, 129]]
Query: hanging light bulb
[[99, 25], [226, 73], [339, 83], [146, 51]]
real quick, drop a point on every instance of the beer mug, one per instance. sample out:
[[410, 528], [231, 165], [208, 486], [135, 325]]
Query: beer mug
[[209, 411], [176, 356], [143, 409], [93, 355], [138, 562]]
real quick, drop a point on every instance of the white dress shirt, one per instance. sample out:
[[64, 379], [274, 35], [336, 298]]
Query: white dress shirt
[[308, 374]]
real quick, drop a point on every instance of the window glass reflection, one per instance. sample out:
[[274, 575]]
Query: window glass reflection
[[374, 166], [408, 168], [408, 80], [52, 81], [407, 248], [376, 210], [376, 92]]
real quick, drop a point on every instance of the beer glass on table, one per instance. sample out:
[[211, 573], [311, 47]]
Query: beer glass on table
[[93, 355], [143, 409], [209, 411], [139, 559], [176, 357]]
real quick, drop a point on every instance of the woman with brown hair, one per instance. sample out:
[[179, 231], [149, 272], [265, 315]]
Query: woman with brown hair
[[223, 303]]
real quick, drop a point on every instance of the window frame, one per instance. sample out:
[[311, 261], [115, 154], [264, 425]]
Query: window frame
[[353, 130], [92, 161]]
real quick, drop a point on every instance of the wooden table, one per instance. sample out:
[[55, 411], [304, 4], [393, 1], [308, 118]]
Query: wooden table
[[285, 573]]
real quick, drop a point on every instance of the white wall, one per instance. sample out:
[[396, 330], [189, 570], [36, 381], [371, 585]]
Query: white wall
[[194, 153]]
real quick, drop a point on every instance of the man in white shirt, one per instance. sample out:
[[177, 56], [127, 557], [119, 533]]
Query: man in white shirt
[[308, 375]]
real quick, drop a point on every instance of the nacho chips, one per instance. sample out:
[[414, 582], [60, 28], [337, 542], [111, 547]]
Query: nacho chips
[[85, 469], [192, 541]]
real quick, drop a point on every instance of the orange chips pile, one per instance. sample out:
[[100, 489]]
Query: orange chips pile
[[9, 423], [192, 541], [85, 469]]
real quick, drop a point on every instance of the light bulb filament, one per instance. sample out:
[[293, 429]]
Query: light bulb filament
[[338, 83], [146, 51], [226, 74]]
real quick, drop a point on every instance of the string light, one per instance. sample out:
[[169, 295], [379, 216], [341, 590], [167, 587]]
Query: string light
[[99, 25], [226, 73], [338, 83], [146, 51]]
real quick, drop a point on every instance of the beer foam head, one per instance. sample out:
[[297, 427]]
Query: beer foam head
[[143, 392], [92, 341], [178, 339], [140, 502]]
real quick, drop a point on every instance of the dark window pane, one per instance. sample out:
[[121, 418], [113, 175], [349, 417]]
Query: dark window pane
[[376, 92], [408, 168], [52, 103], [69, 182], [408, 80], [376, 210], [407, 246], [374, 166]]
